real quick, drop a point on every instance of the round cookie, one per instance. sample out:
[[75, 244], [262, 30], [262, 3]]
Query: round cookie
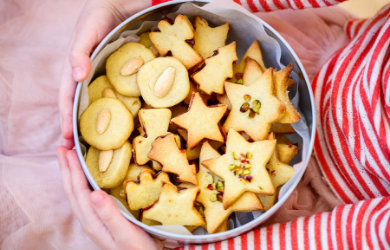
[[118, 129], [126, 85], [116, 172], [95, 92], [148, 75]]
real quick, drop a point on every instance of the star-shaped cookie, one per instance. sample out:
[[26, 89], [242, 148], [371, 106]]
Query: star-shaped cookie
[[211, 194], [254, 108], [154, 123], [174, 38], [286, 152], [146, 190], [200, 121], [208, 39], [279, 172], [216, 70], [253, 52], [242, 167], [166, 152], [281, 79], [176, 208]]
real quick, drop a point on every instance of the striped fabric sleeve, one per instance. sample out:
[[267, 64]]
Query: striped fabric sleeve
[[364, 225], [272, 5]]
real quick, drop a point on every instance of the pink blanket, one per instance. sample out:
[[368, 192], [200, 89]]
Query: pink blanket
[[34, 213]]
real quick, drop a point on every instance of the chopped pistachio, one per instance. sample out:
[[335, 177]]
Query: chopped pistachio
[[232, 167], [256, 110], [214, 186], [261, 188], [234, 156], [239, 172], [247, 171], [238, 165], [213, 197], [247, 98], [244, 107], [249, 155], [248, 166], [239, 81], [210, 178], [243, 181], [219, 186], [251, 114], [201, 211], [256, 103]]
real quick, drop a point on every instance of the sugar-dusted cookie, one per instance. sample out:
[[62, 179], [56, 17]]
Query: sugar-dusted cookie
[[280, 80], [201, 122], [123, 64], [282, 128], [286, 152], [216, 70], [101, 87], [177, 39], [242, 167], [144, 192], [253, 52], [165, 151], [106, 124], [212, 192], [109, 168], [252, 71], [175, 208], [279, 172], [154, 123], [163, 82], [208, 39], [254, 108]]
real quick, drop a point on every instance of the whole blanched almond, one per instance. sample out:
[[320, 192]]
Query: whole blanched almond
[[102, 121], [105, 158], [164, 82], [108, 92], [154, 50], [131, 66]]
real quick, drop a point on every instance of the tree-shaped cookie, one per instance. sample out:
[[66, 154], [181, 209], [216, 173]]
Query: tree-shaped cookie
[[253, 52], [281, 79], [154, 123], [208, 39], [165, 151], [175, 208], [216, 70], [174, 38], [146, 190], [200, 121], [254, 108], [252, 71], [212, 191], [242, 167], [279, 172]]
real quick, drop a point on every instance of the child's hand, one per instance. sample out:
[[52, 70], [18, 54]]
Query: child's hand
[[97, 19], [97, 212]]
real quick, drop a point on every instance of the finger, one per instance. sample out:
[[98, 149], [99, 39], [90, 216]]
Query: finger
[[66, 98], [93, 225], [69, 144], [118, 225], [67, 181]]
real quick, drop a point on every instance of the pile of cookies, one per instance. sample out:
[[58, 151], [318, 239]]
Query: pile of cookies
[[183, 135]]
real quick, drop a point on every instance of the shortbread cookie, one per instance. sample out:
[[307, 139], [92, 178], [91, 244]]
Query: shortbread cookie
[[286, 152], [176, 208], [242, 167], [216, 70], [176, 38], [253, 52], [193, 89], [279, 172], [254, 108], [280, 80], [144, 39], [252, 71], [201, 122], [208, 39], [122, 67], [282, 128], [144, 192], [176, 110], [154, 123], [212, 192], [163, 82], [101, 87], [165, 151], [224, 99], [106, 124], [109, 168]]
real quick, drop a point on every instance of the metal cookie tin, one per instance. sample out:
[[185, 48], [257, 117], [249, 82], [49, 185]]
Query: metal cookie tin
[[306, 106]]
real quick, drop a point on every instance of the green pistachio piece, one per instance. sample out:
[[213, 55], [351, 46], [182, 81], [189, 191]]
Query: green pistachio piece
[[247, 98], [219, 186], [249, 155], [247, 171], [210, 178], [239, 172], [239, 81], [256, 104], [244, 107], [214, 186], [248, 166], [235, 156], [256, 110], [232, 167], [251, 114], [238, 165], [213, 197]]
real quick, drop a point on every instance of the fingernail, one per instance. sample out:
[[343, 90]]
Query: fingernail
[[77, 73], [97, 198]]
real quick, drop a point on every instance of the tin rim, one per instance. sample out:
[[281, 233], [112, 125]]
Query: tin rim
[[210, 237]]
